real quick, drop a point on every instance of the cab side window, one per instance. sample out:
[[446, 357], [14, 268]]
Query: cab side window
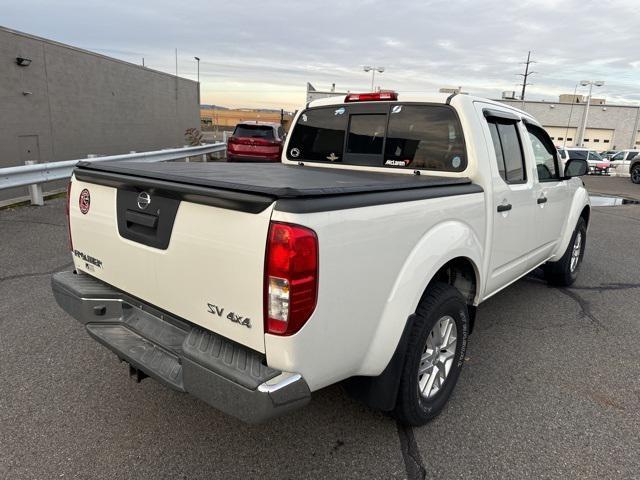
[[545, 154], [508, 148]]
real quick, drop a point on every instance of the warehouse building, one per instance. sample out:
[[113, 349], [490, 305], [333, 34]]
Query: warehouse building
[[60, 102], [609, 127]]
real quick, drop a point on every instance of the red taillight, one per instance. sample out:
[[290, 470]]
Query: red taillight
[[371, 96], [69, 215], [291, 278]]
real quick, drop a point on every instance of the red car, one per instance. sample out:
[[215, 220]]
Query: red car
[[255, 142]]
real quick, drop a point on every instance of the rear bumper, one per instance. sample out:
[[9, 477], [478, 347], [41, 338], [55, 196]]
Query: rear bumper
[[224, 374], [251, 158]]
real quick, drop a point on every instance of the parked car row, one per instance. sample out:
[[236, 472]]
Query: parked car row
[[597, 164], [627, 162]]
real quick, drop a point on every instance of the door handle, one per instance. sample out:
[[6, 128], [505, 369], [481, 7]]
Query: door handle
[[505, 207], [542, 200]]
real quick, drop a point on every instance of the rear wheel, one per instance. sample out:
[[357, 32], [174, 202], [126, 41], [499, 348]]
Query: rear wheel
[[434, 357], [565, 271], [635, 173]]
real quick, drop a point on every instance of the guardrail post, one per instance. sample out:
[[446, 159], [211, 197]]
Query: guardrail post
[[35, 190]]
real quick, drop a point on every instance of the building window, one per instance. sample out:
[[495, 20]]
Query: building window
[[559, 138], [585, 140], [569, 139], [596, 140], [606, 140]]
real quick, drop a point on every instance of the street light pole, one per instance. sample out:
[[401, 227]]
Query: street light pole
[[373, 70], [198, 77], [198, 62], [584, 83]]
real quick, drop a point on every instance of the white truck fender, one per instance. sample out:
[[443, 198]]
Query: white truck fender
[[579, 201], [441, 244]]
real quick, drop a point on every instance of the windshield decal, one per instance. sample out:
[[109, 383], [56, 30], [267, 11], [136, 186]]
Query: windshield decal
[[397, 163]]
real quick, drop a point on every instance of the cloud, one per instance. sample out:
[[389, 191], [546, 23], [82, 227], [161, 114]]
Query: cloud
[[251, 52]]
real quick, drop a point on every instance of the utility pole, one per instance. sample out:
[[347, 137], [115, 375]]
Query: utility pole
[[526, 75], [573, 102]]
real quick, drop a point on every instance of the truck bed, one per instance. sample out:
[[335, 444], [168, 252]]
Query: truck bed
[[258, 185]]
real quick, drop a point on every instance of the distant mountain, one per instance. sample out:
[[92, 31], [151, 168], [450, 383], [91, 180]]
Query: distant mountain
[[206, 106]]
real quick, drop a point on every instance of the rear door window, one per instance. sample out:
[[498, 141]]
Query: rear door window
[[389, 135], [508, 148], [254, 131]]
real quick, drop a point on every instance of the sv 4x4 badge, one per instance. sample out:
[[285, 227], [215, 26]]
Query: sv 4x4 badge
[[235, 318]]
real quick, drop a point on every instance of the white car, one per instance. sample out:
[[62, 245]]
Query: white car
[[621, 162], [361, 258]]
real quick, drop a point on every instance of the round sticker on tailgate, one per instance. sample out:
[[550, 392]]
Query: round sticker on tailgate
[[84, 201]]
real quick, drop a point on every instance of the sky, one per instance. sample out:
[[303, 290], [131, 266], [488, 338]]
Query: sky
[[263, 53]]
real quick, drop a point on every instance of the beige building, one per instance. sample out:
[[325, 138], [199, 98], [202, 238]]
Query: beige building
[[609, 127]]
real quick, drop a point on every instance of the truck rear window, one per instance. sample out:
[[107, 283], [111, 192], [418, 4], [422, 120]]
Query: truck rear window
[[394, 136], [366, 134], [254, 131]]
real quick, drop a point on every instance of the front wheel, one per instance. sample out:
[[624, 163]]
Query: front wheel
[[635, 173], [434, 357], [565, 271]]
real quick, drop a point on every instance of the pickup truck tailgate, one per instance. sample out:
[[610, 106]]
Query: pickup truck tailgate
[[200, 262]]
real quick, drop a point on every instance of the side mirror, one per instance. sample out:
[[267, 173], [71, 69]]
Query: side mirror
[[576, 167]]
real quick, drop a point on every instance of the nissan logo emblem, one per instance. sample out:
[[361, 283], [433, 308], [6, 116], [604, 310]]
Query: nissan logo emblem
[[144, 200]]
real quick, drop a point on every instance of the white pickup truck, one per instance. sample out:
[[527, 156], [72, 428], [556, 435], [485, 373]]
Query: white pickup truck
[[361, 258]]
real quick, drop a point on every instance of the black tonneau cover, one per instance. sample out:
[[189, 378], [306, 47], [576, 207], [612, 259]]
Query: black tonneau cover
[[275, 180], [254, 187]]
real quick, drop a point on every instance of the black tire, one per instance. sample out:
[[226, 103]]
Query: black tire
[[635, 173], [441, 300], [560, 273]]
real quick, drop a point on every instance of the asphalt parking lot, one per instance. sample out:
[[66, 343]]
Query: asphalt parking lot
[[550, 389]]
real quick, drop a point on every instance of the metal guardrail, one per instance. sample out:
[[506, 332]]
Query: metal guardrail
[[35, 174]]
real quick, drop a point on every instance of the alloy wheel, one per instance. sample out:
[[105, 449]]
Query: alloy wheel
[[437, 357]]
